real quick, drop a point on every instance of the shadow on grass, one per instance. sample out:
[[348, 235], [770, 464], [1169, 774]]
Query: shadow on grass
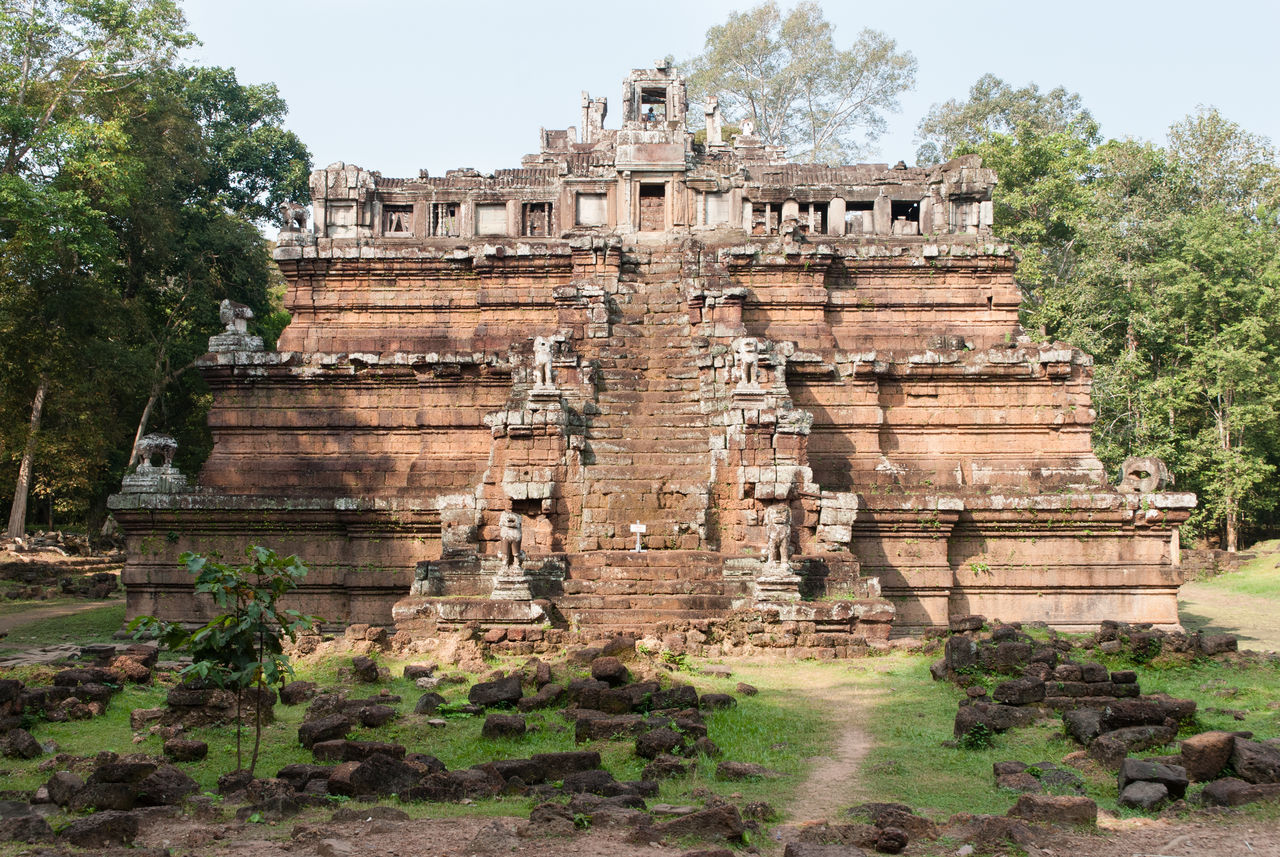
[[1193, 622]]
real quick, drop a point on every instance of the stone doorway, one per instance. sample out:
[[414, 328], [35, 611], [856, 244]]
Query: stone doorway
[[653, 207]]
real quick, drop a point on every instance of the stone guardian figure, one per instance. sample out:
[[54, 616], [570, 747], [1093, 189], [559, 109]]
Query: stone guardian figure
[[746, 362], [511, 533], [542, 377], [777, 520]]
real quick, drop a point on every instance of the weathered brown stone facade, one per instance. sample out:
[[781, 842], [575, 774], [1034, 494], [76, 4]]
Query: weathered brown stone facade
[[801, 380]]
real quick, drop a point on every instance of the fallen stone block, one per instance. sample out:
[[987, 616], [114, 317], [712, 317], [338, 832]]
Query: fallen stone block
[[1232, 791], [1172, 777], [1255, 762], [1055, 809], [503, 691], [503, 726], [1142, 794], [102, 830], [1205, 755]]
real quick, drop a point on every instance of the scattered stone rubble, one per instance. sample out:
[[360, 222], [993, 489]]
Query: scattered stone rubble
[[1104, 711]]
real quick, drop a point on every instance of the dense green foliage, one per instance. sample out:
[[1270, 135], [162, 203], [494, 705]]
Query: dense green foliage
[[130, 190], [1161, 261]]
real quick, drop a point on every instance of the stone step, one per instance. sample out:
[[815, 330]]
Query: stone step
[[632, 621], [647, 603], [626, 586], [644, 469]]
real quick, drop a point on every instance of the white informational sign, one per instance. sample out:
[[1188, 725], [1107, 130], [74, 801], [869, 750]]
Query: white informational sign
[[639, 529]]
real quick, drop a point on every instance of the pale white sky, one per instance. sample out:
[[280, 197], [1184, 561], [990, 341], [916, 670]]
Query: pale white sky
[[398, 85]]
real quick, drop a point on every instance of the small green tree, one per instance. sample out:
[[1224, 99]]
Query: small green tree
[[243, 647]]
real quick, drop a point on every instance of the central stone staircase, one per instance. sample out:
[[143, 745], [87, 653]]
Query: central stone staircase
[[647, 461]]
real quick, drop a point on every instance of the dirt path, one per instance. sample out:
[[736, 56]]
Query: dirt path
[[9, 621], [1214, 611], [834, 783], [1238, 602]]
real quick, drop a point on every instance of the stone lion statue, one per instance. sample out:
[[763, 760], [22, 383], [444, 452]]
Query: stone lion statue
[[777, 524], [294, 216], [1143, 475], [511, 532], [542, 362], [234, 315]]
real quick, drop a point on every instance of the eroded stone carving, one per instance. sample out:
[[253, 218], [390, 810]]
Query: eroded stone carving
[[777, 552], [746, 362], [1144, 475], [511, 533], [421, 584], [542, 374], [235, 335], [294, 216], [150, 478], [151, 445], [235, 316]]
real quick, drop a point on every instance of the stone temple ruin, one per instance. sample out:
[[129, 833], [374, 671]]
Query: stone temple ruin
[[799, 389]]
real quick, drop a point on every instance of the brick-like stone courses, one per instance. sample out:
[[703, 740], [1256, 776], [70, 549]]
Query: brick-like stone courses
[[915, 435]]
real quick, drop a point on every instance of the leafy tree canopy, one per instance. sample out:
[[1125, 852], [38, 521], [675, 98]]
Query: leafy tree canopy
[[786, 73], [995, 107]]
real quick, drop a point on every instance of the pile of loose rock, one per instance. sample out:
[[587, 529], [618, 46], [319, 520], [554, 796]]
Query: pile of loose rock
[[119, 793], [1097, 704], [75, 693], [1105, 712], [1254, 768], [666, 723]]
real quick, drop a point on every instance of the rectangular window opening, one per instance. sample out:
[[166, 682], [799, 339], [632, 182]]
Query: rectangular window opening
[[764, 218], [653, 207], [535, 220], [857, 218], [445, 222], [653, 104], [906, 218], [397, 220], [813, 218]]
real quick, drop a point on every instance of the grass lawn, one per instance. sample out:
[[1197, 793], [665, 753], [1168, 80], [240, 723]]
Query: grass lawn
[[1239, 602], [909, 764], [777, 728]]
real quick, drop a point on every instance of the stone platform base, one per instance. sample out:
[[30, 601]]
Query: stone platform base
[[1070, 561], [424, 613], [806, 629]]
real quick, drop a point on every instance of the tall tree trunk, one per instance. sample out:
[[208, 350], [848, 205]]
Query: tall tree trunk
[[1233, 530], [142, 425], [18, 514]]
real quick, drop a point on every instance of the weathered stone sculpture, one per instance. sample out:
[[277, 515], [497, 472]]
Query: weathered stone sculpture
[[542, 377], [421, 580], [1143, 475], [511, 532], [511, 583], [778, 528], [746, 362], [294, 216], [235, 316], [151, 478], [629, 326], [235, 335]]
